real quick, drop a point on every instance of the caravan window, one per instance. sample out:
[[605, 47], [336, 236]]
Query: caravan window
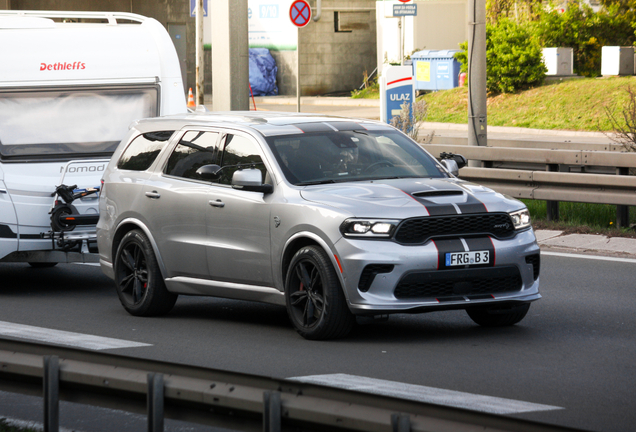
[[70, 122]]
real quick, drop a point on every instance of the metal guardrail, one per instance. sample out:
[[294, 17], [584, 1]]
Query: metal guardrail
[[569, 144], [555, 183], [583, 158], [221, 398]]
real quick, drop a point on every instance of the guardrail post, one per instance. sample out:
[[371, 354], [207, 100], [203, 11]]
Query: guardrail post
[[51, 386], [622, 211], [155, 402], [271, 411], [552, 207], [400, 423]]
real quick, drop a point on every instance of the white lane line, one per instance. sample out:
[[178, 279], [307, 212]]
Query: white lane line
[[419, 393], [592, 257], [65, 338]]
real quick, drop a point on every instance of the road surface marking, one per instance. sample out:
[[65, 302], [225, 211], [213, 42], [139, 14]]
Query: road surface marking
[[64, 338], [419, 393], [592, 257]]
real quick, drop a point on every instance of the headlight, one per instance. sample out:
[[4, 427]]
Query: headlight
[[520, 219], [368, 228]]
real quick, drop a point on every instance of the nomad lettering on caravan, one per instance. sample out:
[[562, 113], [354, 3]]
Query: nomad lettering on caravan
[[62, 66]]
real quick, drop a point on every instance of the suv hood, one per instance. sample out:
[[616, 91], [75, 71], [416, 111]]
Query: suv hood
[[403, 198]]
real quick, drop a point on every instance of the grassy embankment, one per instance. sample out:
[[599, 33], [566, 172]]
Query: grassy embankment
[[575, 104]]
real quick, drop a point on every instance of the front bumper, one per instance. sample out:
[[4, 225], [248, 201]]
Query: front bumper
[[419, 265]]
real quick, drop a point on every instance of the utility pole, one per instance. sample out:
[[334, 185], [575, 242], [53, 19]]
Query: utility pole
[[230, 53], [477, 121], [200, 62]]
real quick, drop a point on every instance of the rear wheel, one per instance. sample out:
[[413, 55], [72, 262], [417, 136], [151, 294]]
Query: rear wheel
[[139, 282], [498, 317], [315, 302]]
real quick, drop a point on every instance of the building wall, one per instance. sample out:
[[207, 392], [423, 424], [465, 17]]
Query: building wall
[[334, 61], [439, 25]]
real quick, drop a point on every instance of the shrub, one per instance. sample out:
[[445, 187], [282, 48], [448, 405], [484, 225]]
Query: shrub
[[513, 57], [585, 31], [625, 127], [410, 122]]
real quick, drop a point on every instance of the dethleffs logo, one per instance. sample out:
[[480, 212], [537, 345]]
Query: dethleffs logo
[[62, 66]]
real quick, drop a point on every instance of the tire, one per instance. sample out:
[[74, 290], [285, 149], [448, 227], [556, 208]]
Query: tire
[[138, 280], [42, 264], [63, 210], [498, 317], [315, 302]]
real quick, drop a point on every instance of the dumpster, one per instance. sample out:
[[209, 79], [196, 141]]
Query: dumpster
[[435, 69]]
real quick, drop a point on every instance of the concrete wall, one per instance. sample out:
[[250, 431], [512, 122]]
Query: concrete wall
[[439, 25], [164, 11], [331, 60]]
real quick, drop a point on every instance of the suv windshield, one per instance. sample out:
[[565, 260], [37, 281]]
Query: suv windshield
[[75, 121], [338, 156]]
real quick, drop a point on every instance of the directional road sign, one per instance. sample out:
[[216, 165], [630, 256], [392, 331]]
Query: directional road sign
[[193, 8], [300, 13]]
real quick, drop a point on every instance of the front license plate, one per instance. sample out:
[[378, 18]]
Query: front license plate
[[467, 258]]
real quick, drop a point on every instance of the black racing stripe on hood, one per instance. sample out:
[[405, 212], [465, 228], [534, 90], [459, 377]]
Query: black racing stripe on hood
[[470, 206]]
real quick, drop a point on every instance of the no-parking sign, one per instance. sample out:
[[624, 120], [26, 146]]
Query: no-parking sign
[[300, 13]]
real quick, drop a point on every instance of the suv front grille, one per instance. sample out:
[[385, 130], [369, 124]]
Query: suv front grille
[[421, 229], [456, 283]]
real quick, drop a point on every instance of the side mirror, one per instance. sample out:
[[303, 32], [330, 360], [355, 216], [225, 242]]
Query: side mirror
[[209, 172], [250, 180], [460, 160], [451, 166]]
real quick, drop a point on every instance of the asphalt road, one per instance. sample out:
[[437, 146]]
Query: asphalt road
[[575, 350]]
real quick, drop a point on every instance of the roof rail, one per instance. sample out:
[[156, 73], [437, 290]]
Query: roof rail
[[112, 17]]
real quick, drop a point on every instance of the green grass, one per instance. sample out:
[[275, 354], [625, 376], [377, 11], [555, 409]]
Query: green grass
[[581, 217], [371, 92], [5, 427], [575, 104]]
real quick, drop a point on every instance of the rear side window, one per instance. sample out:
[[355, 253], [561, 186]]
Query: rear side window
[[143, 151], [195, 149]]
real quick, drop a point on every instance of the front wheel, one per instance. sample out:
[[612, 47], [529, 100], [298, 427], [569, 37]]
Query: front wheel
[[315, 302], [139, 282], [498, 317]]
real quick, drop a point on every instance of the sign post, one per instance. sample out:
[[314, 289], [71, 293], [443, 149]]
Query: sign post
[[300, 15], [396, 88]]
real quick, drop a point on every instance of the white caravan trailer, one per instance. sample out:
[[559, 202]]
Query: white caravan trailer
[[71, 83]]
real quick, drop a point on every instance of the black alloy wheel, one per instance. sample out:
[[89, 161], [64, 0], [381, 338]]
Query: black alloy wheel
[[315, 302], [139, 282]]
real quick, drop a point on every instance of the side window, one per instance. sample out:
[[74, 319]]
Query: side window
[[239, 152], [195, 149], [143, 151]]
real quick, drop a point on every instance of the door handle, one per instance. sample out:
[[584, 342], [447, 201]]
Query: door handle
[[217, 203], [153, 195]]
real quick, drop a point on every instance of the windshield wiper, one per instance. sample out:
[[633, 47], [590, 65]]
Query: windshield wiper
[[316, 182]]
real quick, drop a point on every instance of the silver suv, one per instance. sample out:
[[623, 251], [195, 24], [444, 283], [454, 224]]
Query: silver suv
[[331, 217]]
